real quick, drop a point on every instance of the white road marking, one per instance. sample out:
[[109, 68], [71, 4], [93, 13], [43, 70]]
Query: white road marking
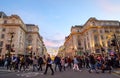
[[29, 74]]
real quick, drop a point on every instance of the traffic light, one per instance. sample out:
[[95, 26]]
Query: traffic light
[[113, 42]]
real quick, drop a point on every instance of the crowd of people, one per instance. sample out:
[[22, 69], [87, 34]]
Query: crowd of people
[[91, 62]]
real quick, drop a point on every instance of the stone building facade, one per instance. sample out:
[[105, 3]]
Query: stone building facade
[[24, 39], [94, 36]]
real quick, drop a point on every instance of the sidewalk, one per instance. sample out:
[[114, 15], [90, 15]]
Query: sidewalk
[[117, 71]]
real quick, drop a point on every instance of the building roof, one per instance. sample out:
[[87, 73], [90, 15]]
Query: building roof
[[2, 14], [30, 24]]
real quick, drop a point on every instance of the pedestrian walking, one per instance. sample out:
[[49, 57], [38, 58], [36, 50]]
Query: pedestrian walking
[[62, 64], [40, 63], [22, 63], [75, 66], [57, 63], [49, 65], [69, 60], [92, 63], [107, 65], [35, 63]]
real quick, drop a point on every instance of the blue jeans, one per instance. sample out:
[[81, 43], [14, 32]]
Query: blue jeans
[[93, 67], [35, 66]]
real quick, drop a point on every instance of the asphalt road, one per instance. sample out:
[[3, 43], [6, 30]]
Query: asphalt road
[[65, 74]]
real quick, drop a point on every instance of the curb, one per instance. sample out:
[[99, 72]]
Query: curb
[[117, 72]]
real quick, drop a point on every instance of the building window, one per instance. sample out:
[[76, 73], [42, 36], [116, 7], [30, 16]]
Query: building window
[[93, 23], [79, 43], [101, 31], [2, 36], [102, 37], [29, 42], [94, 31], [30, 37], [96, 38], [97, 50], [1, 43], [5, 21], [107, 23], [111, 30], [117, 31], [96, 41], [79, 40], [96, 44], [3, 29], [106, 31], [30, 29], [102, 23]]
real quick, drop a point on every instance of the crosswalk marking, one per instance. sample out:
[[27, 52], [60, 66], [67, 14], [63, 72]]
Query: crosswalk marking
[[29, 74]]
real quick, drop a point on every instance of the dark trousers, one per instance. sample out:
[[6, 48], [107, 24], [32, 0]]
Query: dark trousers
[[93, 67], [106, 68], [8, 66], [35, 67], [59, 66], [22, 65], [87, 65], [63, 67], [40, 67], [12, 66], [69, 65], [49, 66]]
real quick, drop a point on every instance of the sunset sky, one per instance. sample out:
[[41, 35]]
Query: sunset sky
[[55, 17]]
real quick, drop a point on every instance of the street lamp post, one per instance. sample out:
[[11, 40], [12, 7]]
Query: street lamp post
[[11, 37]]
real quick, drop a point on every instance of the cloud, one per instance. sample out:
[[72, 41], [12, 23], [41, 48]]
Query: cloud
[[109, 6], [29, 16], [54, 41]]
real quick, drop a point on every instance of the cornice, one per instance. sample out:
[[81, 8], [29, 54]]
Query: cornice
[[18, 25], [28, 32]]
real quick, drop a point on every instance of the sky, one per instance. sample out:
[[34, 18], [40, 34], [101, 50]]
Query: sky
[[56, 17]]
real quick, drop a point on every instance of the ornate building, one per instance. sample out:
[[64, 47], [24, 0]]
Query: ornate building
[[34, 41], [94, 36], [61, 51], [19, 38]]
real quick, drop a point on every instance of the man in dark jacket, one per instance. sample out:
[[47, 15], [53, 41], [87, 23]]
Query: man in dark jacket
[[57, 63], [40, 62], [49, 65]]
